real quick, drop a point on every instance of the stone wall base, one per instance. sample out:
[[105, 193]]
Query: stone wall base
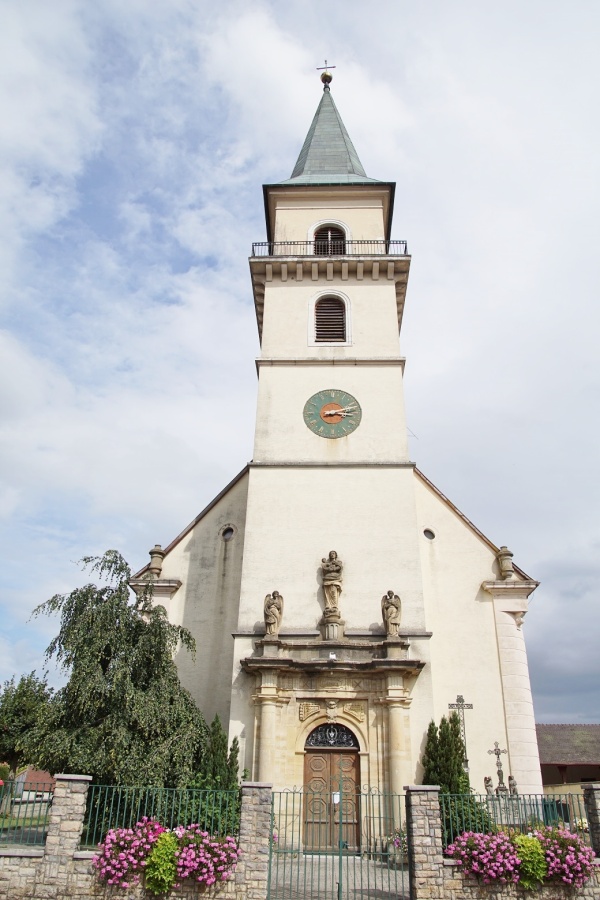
[[456, 886]]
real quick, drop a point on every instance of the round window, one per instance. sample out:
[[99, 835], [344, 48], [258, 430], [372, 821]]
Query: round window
[[429, 534], [227, 533]]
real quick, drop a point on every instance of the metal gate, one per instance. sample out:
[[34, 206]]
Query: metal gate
[[340, 844]]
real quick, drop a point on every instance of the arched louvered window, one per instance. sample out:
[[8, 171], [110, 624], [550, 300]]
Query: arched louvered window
[[330, 320], [330, 241]]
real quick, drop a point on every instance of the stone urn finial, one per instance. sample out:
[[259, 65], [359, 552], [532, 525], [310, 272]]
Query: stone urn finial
[[157, 554], [505, 561]]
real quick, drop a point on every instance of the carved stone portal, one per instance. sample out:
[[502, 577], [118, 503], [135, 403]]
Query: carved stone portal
[[306, 710]]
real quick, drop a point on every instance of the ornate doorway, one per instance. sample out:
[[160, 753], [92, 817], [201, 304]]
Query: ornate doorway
[[331, 790]]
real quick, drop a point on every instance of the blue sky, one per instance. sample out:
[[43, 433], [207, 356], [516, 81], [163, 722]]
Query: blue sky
[[136, 137]]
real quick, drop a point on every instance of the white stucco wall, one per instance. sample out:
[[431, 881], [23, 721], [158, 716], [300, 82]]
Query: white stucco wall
[[465, 653], [282, 434], [287, 319], [360, 210], [207, 601]]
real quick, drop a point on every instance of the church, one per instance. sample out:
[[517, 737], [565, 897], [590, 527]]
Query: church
[[338, 599]]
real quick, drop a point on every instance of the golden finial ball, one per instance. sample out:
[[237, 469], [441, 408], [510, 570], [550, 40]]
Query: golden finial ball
[[326, 77]]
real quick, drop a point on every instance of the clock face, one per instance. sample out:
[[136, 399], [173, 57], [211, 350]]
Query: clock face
[[332, 413]]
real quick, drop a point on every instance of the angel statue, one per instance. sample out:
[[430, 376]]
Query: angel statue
[[273, 611]]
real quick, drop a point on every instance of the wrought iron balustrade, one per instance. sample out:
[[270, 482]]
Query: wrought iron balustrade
[[321, 248]]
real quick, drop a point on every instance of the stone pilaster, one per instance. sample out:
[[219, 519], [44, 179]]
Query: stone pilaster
[[510, 598], [591, 798], [252, 873], [64, 832], [424, 832]]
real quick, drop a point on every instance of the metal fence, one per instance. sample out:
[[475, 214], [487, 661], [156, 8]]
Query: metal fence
[[330, 248], [338, 844], [522, 812], [24, 812], [218, 812]]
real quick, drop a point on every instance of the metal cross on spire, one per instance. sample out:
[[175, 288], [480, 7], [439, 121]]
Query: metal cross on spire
[[326, 75], [460, 705]]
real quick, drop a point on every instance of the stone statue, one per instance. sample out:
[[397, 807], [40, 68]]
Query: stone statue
[[489, 787], [332, 582], [390, 611], [512, 786], [273, 610]]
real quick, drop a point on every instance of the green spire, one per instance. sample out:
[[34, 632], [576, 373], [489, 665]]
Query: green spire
[[328, 155]]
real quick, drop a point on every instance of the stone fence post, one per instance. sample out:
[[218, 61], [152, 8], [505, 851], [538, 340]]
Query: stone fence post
[[591, 798], [64, 831], [424, 833], [252, 873]]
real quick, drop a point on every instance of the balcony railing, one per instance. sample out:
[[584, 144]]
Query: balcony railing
[[330, 248]]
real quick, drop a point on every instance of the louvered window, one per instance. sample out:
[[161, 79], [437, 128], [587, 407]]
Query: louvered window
[[330, 320], [330, 241]]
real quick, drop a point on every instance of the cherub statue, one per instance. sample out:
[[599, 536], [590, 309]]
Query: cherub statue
[[512, 786], [273, 611], [489, 787], [390, 611]]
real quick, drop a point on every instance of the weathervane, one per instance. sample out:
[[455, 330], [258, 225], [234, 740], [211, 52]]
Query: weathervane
[[325, 75], [460, 705]]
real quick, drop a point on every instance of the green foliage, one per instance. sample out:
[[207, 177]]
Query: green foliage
[[217, 808], [430, 760], [533, 868], [444, 757], [161, 867], [4, 771], [21, 704], [123, 716], [463, 812], [219, 768]]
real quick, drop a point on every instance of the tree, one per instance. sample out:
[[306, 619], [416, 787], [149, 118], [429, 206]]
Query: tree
[[219, 768], [123, 716], [20, 706], [430, 759], [444, 757], [444, 764]]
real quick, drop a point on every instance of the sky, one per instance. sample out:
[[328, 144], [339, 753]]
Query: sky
[[136, 137]]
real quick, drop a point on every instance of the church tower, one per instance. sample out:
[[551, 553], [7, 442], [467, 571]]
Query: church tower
[[339, 600]]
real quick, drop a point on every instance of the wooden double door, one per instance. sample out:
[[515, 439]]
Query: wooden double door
[[331, 801]]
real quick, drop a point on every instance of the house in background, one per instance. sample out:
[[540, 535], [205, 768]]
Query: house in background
[[569, 756]]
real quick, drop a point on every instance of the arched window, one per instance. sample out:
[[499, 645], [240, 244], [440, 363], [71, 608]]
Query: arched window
[[330, 320], [330, 241]]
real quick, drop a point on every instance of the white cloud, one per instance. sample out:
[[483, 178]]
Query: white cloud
[[136, 139]]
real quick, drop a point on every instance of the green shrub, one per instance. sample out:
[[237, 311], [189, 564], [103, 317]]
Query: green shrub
[[161, 868], [533, 868]]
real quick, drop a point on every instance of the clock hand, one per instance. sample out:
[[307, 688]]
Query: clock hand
[[339, 412]]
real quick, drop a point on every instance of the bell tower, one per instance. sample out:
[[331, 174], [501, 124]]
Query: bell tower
[[330, 467]]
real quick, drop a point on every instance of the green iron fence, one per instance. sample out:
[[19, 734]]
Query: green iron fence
[[218, 812], [24, 812], [523, 812], [338, 844]]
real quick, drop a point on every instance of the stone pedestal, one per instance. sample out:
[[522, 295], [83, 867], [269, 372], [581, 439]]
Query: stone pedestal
[[591, 798], [424, 832]]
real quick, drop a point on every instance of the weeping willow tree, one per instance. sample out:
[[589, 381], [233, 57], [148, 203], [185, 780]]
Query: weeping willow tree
[[123, 716]]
